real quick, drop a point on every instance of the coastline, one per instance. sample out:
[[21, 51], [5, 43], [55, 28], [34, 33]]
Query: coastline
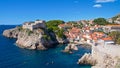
[[39, 35]]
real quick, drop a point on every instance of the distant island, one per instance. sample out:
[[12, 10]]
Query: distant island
[[103, 35]]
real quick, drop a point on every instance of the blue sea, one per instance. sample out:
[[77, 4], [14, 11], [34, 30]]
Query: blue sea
[[12, 56]]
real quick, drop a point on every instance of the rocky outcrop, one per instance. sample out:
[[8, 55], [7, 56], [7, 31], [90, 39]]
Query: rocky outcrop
[[11, 33], [38, 39], [61, 40], [30, 42], [70, 47], [87, 59], [102, 57]]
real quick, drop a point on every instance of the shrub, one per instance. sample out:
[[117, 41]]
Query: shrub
[[19, 28], [101, 21], [46, 37], [53, 26], [29, 32]]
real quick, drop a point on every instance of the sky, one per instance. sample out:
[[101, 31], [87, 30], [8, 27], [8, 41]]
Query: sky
[[13, 12]]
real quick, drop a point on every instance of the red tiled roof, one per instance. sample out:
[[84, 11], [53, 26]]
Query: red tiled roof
[[117, 25], [107, 38], [61, 25]]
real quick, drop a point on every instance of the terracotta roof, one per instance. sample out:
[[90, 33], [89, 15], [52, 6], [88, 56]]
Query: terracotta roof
[[61, 25], [107, 38], [74, 29], [73, 33], [99, 33], [95, 38], [87, 28], [118, 25]]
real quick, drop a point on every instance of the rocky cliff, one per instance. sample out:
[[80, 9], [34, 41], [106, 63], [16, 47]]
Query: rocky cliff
[[70, 47], [38, 39], [102, 57]]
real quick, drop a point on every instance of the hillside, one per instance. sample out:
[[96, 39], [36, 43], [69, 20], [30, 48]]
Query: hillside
[[115, 19]]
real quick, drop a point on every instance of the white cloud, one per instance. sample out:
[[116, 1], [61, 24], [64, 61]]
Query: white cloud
[[104, 1], [97, 5]]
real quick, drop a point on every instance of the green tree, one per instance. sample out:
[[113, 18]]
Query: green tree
[[54, 22], [46, 37], [60, 33], [101, 21], [52, 25]]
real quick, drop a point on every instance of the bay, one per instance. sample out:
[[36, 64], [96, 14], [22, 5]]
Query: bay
[[12, 56]]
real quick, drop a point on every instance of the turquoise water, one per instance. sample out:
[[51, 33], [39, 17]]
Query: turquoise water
[[12, 56]]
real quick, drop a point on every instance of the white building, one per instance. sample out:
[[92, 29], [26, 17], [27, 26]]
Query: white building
[[107, 41], [111, 28]]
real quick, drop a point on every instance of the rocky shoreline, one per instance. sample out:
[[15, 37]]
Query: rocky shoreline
[[38, 39], [100, 58], [70, 47], [35, 40], [87, 59]]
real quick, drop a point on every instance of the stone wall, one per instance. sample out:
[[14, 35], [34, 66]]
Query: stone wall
[[106, 56], [102, 56], [32, 26]]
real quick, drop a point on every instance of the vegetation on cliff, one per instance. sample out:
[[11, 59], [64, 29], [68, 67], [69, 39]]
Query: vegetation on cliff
[[101, 21], [52, 25], [75, 24], [29, 32], [46, 37]]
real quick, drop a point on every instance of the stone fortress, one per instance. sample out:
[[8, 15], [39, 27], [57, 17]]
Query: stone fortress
[[34, 25]]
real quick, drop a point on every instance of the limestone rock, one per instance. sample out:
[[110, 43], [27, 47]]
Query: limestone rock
[[30, 39], [87, 59], [11, 33], [70, 47], [61, 40], [102, 57], [74, 47]]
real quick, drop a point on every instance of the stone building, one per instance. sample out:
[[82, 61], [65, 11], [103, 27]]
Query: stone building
[[34, 25]]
